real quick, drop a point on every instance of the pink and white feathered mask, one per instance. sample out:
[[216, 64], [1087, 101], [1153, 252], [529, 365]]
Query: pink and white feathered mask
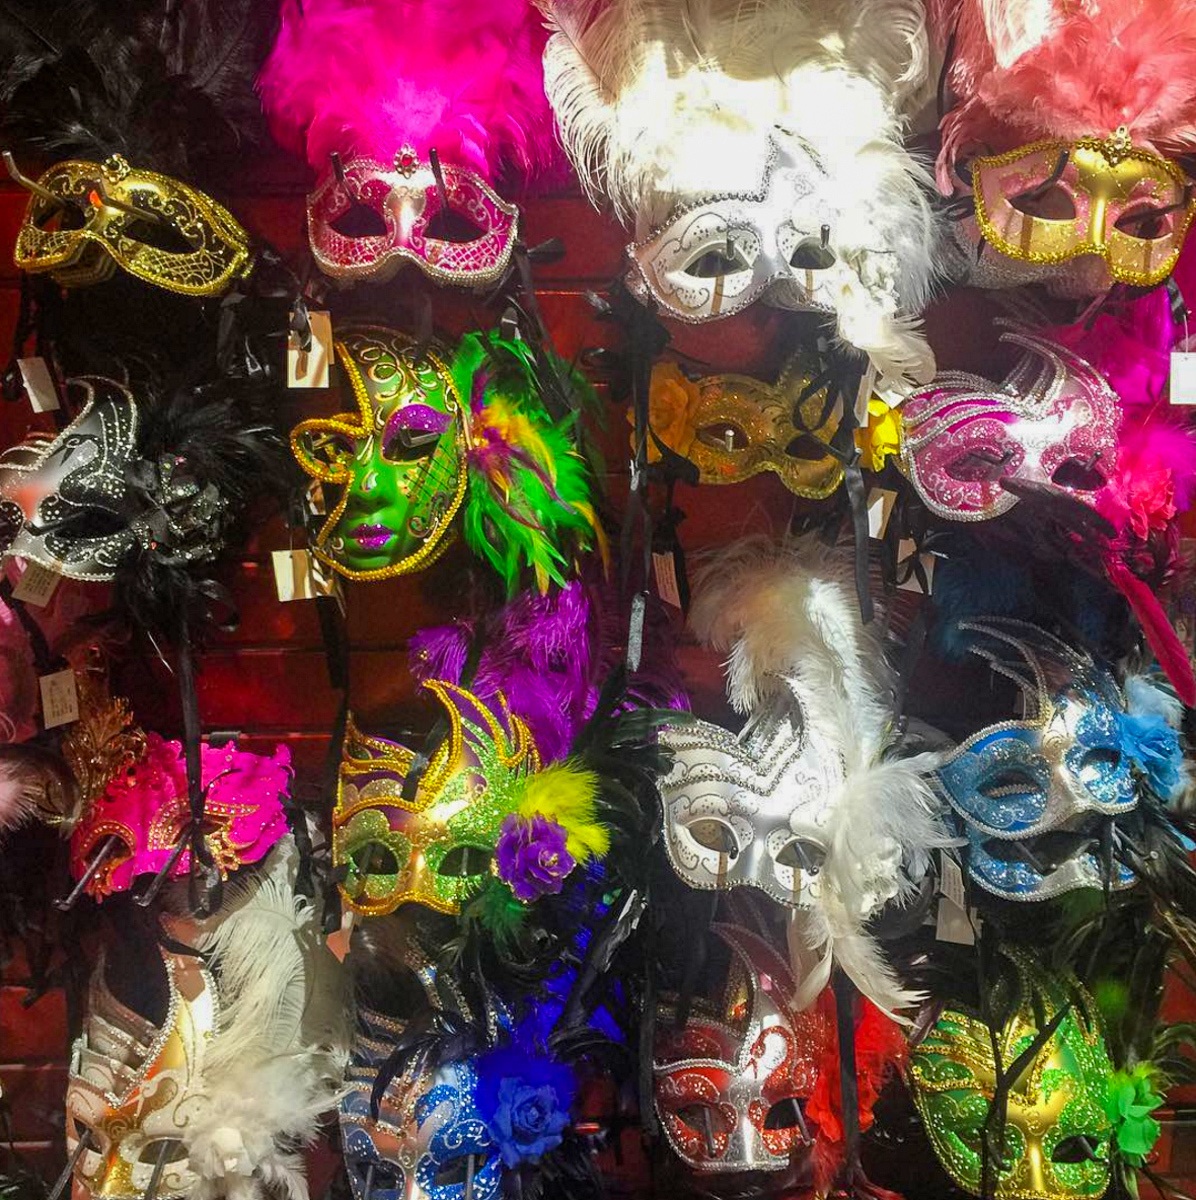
[[146, 809], [370, 90]]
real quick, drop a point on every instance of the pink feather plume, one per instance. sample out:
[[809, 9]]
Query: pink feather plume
[[364, 77], [1026, 69]]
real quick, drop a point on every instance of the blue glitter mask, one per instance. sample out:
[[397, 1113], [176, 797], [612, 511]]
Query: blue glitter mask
[[427, 1129], [1034, 796]]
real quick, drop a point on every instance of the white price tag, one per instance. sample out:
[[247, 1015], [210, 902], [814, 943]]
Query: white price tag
[[954, 925], [905, 550], [1183, 377], [880, 509], [309, 368], [60, 698], [39, 384], [293, 575], [951, 881], [664, 566], [36, 585]]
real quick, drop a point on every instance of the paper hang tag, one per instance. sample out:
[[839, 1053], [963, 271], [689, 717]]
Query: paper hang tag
[[1183, 377], [39, 384], [954, 924], [880, 508], [309, 368], [951, 881], [60, 698], [664, 567], [36, 585], [294, 577]]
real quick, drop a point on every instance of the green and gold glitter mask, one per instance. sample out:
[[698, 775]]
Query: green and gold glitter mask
[[434, 848], [399, 460], [1057, 1133], [85, 218]]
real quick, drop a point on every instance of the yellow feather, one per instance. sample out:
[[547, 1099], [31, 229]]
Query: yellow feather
[[567, 793]]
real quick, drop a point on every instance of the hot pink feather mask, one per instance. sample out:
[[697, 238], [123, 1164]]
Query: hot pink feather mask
[[381, 85], [146, 810]]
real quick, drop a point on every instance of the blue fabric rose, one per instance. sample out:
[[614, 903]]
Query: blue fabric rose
[[525, 1100], [1153, 747]]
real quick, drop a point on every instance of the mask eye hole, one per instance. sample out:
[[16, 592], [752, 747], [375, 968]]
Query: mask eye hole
[[1077, 1149], [1149, 224], [1079, 475], [374, 858], [806, 447], [164, 237], [386, 1178], [455, 1171], [80, 1128], [1098, 764], [703, 1119], [811, 255], [1052, 205], [785, 1114], [462, 862], [171, 1150], [359, 221], [449, 225], [723, 435], [715, 835], [1009, 781], [801, 855], [728, 259], [979, 465], [61, 218]]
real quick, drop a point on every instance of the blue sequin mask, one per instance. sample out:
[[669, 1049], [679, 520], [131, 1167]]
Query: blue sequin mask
[[427, 1130], [1036, 796]]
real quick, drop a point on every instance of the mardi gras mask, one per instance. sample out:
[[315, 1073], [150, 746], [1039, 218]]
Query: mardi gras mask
[[428, 1136], [732, 427], [732, 1082], [398, 459], [139, 823], [85, 218], [1052, 202], [715, 257], [1056, 1143], [435, 846], [132, 1086], [1036, 796], [1053, 423], [366, 221]]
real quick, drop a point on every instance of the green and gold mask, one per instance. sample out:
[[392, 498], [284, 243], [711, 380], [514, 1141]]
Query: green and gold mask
[[399, 459], [1057, 1133], [435, 848]]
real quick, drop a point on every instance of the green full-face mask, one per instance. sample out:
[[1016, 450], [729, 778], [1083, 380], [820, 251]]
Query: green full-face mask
[[1057, 1132], [399, 459], [434, 848]]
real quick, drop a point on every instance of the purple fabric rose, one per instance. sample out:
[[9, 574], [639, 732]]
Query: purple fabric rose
[[532, 856]]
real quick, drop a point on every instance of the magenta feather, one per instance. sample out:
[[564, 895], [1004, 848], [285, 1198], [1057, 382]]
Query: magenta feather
[[364, 77]]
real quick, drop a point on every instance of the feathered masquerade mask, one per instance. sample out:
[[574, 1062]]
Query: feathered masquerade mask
[[802, 804], [706, 128], [1038, 797], [431, 437], [217, 1099], [1068, 122], [411, 114], [137, 99]]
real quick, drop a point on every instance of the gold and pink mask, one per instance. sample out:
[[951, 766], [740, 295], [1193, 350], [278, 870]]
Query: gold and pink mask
[[435, 846], [368, 219], [732, 1083], [139, 822], [1052, 423], [1085, 214]]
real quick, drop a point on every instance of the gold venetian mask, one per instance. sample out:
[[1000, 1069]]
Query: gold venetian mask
[[1052, 201], [732, 427], [436, 848], [132, 1086], [1057, 1132], [86, 218]]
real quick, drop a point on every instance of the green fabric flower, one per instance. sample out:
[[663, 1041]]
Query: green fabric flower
[[1130, 1100]]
